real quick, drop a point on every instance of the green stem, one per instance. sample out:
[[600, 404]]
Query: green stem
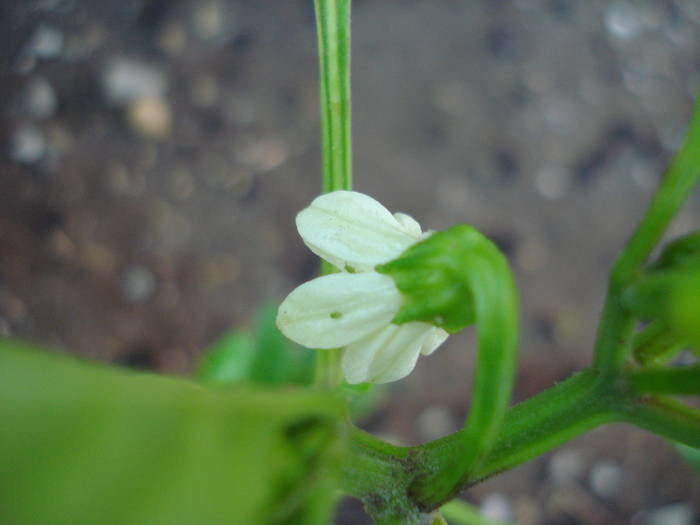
[[665, 417], [333, 28], [327, 374], [333, 31], [616, 324], [383, 475], [535, 426], [680, 380], [379, 474], [372, 465]]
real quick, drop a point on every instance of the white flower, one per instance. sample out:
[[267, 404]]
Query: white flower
[[354, 308]]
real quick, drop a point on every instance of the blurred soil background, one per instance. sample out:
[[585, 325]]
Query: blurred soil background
[[155, 152]]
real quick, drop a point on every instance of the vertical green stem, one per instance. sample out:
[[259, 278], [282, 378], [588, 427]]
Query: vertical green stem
[[333, 28], [616, 324]]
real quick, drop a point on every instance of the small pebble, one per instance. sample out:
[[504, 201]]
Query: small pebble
[[434, 422], [173, 39], [27, 144], [46, 42], [207, 19], [222, 270], [605, 479], [675, 514], [204, 91], [561, 116], [566, 466], [532, 255], [125, 80], [138, 284], [150, 116], [212, 20], [263, 154], [623, 21], [552, 182], [40, 98], [181, 184], [497, 507]]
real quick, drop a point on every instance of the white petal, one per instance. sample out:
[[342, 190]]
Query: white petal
[[409, 224], [386, 355], [337, 309], [436, 337], [347, 228]]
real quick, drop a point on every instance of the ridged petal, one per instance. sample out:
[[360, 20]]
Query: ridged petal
[[434, 339], [347, 228], [338, 309], [409, 224], [385, 355]]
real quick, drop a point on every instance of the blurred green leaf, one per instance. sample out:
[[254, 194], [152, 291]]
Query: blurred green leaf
[[229, 360], [274, 358], [690, 454], [85, 444], [363, 399], [263, 356]]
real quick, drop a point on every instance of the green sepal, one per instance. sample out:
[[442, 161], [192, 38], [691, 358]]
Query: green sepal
[[452, 279], [683, 252], [430, 276], [673, 296]]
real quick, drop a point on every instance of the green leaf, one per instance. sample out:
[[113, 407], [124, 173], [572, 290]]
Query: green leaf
[[276, 359], [229, 360], [264, 357], [690, 454], [83, 444]]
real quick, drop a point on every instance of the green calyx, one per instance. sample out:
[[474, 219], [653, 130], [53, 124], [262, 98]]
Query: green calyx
[[430, 276], [683, 252]]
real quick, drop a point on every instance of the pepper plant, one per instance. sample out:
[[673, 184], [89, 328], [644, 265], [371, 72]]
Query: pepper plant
[[85, 444]]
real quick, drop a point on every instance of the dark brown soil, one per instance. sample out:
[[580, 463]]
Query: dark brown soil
[[140, 219]]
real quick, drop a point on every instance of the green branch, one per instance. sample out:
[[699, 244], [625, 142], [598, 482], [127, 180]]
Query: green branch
[[616, 324], [679, 380], [536, 426], [665, 417]]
